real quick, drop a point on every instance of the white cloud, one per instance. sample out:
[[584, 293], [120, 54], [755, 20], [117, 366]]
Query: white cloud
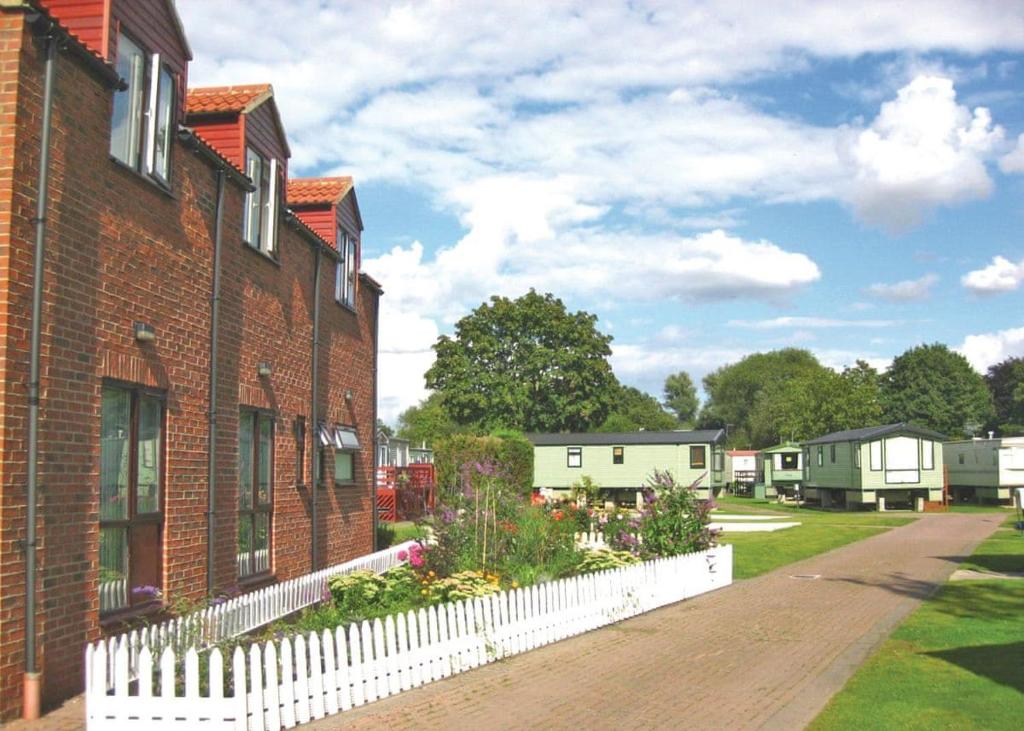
[[923, 150], [986, 349], [1013, 161], [908, 290], [1002, 275], [809, 323]]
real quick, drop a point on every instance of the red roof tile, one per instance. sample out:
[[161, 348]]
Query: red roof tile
[[318, 191], [227, 99]]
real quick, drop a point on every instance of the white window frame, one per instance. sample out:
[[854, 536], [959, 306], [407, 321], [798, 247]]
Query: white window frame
[[927, 454], [574, 454], [260, 214], [135, 111], [875, 450], [345, 270]]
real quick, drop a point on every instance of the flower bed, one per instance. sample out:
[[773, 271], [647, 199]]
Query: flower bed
[[501, 575]]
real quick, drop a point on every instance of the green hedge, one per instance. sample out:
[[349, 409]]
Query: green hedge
[[510, 450]]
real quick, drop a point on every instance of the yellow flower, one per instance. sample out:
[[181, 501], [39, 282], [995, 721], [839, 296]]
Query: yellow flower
[[515, 584], [424, 592], [431, 574]]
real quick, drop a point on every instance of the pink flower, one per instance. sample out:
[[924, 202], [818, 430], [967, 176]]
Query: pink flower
[[416, 560], [402, 555]]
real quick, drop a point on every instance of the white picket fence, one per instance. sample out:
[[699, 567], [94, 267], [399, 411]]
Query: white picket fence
[[294, 680], [237, 616]]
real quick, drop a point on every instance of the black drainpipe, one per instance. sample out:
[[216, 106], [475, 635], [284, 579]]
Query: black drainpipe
[[314, 417], [211, 462], [32, 680], [373, 496]]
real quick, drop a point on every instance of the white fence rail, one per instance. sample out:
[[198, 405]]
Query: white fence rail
[[294, 680], [237, 616]]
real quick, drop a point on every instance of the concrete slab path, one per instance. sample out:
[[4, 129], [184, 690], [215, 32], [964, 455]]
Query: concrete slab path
[[765, 653]]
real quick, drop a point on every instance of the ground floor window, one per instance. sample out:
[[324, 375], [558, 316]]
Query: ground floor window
[[255, 478], [698, 457], [131, 492]]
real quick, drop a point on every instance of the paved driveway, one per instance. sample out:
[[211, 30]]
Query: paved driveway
[[766, 653]]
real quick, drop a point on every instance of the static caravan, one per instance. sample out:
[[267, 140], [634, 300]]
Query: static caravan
[[622, 463], [781, 470], [897, 465], [985, 470], [741, 469]]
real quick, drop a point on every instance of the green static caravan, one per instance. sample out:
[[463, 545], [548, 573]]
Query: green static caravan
[[984, 470], [624, 462], [880, 466], [781, 469]]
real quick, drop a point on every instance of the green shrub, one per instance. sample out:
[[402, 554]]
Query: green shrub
[[366, 595], [587, 489], [511, 450], [385, 536], [603, 559], [674, 520]]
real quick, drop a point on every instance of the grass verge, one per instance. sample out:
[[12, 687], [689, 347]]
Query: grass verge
[[955, 663], [819, 531]]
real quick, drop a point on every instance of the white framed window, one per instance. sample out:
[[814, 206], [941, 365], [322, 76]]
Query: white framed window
[[927, 455], [259, 226], [126, 122], [149, 97], [345, 270], [574, 457], [876, 456]]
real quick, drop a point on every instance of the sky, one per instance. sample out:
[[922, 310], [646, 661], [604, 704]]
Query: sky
[[711, 179]]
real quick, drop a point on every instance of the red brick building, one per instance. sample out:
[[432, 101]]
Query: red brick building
[[175, 258]]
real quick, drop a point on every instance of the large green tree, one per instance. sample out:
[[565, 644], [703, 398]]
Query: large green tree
[[525, 364], [633, 410], [932, 386], [1006, 382], [429, 421], [815, 403], [732, 390], [681, 397]]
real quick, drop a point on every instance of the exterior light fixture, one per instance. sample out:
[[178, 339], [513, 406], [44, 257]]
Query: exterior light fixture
[[348, 394], [144, 332], [263, 369]]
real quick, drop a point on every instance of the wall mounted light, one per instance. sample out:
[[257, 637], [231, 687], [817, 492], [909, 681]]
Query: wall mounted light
[[263, 369], [348, 394], [144, 332]]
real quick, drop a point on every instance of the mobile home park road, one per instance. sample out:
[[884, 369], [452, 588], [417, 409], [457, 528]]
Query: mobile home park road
[[765, 653]]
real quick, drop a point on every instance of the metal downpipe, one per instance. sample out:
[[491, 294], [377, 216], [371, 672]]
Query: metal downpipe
[[314, 416], [31, 689], [211, 463]]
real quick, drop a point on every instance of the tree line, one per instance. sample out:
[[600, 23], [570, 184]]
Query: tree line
[[530, 365]]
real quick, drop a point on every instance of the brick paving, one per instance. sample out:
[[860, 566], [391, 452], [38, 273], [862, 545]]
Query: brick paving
[[766, 653]]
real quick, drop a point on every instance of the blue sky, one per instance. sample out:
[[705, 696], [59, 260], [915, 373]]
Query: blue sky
[[710, 178]]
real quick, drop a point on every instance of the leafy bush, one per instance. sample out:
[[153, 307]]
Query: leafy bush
[[463, 585], [620, 528], [587, 489], [366, 595], [674, 520], [385, 536], [603, 559], [511, 450], [542, 547]]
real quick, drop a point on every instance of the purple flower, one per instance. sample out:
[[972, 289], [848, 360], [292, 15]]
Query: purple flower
[[447, 516], [218, 600], [649, 496], [146, 591]]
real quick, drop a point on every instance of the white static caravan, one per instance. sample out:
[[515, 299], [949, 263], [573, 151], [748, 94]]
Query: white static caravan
[[985, 470]]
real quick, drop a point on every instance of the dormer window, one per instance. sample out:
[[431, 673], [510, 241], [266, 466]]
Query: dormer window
[[259, 229], [142, 125], [345, 270]]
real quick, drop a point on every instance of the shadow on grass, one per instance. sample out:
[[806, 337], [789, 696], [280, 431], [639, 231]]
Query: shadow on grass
[[1003, 664], [1003, 563], [959, 599]]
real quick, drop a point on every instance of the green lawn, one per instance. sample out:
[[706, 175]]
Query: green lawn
[[1003, 551], [820, 531], [955, 663]]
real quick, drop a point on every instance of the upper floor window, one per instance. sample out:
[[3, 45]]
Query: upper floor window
[[259, 228], [149, 98], [345, 271]]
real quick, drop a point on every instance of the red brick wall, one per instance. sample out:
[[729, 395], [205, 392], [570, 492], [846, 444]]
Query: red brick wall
[[120, 249]]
